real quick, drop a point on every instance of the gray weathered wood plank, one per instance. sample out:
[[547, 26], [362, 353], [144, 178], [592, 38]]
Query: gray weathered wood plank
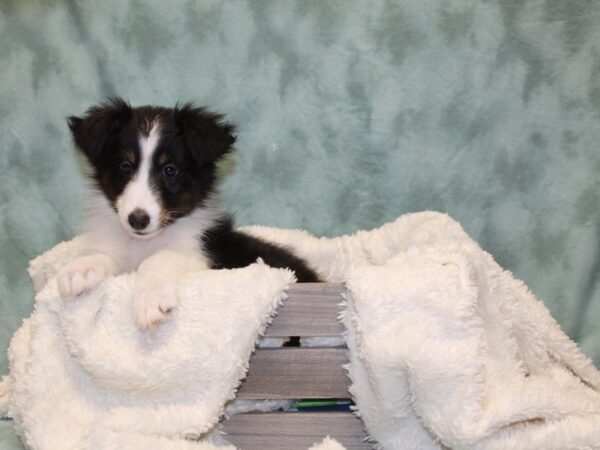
[[293, 431], [311, 309], [282, 373]]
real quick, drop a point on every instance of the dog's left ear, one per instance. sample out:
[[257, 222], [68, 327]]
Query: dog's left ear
[[206, 136]]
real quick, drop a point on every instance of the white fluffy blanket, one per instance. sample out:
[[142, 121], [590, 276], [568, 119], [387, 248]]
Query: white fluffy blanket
[[84, 377], [446, 350]]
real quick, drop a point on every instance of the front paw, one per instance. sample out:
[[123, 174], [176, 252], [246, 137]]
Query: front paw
[[83, 274], [153, 301]]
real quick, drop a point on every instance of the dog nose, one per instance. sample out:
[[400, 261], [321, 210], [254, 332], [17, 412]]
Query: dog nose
[[138, 219]]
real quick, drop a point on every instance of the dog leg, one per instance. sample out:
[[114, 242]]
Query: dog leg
[[156, 285], [85, 273]]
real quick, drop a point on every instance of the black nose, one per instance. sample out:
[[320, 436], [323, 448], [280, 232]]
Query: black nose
[[138, 219]]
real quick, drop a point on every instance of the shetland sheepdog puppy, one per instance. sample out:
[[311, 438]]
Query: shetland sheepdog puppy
[[153, 171]]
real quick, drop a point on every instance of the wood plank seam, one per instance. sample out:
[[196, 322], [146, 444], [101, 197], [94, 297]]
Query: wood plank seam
[[311, 310]]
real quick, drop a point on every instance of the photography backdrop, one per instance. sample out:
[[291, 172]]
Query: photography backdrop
[[349, 114]]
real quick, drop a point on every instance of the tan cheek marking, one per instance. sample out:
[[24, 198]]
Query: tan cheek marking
[[164, 215], [105, 179]]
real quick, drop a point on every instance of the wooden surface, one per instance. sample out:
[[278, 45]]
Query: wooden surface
[[293, 431], [311, 309], [296, 373]]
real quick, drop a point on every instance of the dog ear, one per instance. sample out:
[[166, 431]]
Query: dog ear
[[204, 133], [96, 129]]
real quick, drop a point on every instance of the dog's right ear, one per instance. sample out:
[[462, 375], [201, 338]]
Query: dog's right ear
[[93, 132]]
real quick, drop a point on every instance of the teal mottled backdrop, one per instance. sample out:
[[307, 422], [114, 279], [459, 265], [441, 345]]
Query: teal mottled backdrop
[[350, 113]]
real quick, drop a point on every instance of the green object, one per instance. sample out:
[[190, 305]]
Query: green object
[[319, 403]]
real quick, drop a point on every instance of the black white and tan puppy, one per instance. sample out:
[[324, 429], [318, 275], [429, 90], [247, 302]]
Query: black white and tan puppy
[[154, 171]]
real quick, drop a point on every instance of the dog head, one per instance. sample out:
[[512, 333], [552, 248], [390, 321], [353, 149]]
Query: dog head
[[154, 165]]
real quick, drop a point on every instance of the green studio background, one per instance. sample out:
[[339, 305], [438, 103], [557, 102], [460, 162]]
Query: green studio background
[[349, 114]]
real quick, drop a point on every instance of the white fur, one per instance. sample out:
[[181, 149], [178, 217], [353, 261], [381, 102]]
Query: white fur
[[109, 250], [138, 193]]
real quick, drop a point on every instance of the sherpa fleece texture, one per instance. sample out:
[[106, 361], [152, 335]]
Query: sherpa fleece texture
[[84, 377], [446, 350]]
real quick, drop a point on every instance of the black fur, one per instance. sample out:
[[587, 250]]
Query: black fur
[[97, 131], [192, 139], [228, 249], [207, 138]]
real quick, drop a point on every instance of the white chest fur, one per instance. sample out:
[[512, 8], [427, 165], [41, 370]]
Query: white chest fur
[[104, 234], [159, 261]]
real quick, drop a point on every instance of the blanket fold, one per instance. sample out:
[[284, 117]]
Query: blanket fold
[[446, 350], [467, 358]]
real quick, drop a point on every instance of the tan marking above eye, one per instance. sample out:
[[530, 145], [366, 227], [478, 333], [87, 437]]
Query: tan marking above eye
[[163, 159], [130, 156]]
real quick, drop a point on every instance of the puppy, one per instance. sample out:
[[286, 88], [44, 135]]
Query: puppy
[[154, 171]]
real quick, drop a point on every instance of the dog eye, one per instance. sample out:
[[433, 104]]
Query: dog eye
[[170, 170], [126, 168]]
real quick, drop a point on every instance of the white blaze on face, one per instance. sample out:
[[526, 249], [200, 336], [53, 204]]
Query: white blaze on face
[[138, 194]]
